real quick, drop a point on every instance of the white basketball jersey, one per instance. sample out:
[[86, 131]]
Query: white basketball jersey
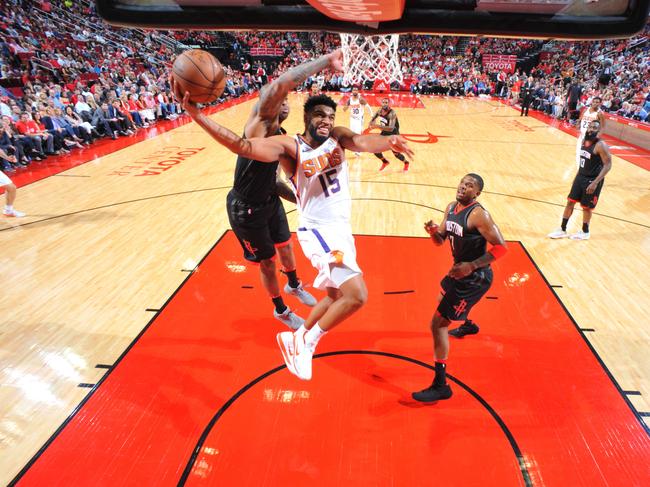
[[356, 109], [587, 118], [321, 184]]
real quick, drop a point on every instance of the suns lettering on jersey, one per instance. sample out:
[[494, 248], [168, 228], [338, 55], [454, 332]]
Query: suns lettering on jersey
[[319, 164]]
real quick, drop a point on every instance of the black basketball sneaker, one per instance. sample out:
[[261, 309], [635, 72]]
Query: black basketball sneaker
[[467, 328]]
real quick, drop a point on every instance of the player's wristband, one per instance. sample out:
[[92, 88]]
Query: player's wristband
[[498, 251]]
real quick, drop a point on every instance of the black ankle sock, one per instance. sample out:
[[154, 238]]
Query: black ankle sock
[[585, 227], [400, 157], [293, 278], [280, 307], [564, 223], [441, 374]]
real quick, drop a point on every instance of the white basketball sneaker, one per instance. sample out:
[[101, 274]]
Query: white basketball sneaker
[[303, 296], [559, 233], [285, 342], [289, 318], [297, 353], [580, 236], [303, 353], [13, 213]]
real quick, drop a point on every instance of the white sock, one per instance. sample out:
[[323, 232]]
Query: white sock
[[9, 207], [300, 330], [314, 334]]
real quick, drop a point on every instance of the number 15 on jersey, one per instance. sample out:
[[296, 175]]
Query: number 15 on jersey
[[329, 182]]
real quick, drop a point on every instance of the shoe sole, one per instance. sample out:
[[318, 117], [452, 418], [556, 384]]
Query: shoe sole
[[462, 335], [285, 355], [430, 400]]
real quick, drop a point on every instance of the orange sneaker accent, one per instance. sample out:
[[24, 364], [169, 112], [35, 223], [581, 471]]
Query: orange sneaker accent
[[338, 256]]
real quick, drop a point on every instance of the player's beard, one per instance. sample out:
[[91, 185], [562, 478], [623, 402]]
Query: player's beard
[[591, 135], [464, 199], [313, 131]]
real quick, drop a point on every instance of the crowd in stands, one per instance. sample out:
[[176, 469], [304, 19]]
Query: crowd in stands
[[67, 78]]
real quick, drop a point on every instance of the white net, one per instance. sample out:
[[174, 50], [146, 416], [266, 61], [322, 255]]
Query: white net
[[371, 58]]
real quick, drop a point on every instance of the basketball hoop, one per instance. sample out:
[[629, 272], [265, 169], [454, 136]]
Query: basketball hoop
[[368, 58]]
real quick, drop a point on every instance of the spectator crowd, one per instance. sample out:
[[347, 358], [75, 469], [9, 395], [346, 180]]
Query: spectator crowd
[[68, 79]]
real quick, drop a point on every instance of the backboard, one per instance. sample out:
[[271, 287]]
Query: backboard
[[558, 19]]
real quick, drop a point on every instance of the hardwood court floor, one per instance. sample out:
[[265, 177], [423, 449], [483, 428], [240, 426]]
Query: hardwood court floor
[[106, 248], [211, 402]]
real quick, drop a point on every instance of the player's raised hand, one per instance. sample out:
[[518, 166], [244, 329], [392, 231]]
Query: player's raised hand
[[337, 156], [336, 60], [431, 228], [398, 144], [184, 99]]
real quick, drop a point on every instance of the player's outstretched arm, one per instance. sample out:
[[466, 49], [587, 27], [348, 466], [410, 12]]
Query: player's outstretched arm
[[268, 149], [370, 142], [483, 222], [272, 95]]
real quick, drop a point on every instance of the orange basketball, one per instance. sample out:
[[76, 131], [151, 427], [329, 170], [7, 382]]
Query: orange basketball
[[199, 73]]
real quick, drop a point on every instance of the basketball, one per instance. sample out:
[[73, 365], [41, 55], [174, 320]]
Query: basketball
[[199, 73]]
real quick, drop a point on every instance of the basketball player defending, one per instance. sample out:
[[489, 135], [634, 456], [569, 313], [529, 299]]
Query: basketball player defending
[[316, 166], [595, 163], [589, 115], [469, 227], [255, 212], [389, 125], [10, 190], [358, 106]]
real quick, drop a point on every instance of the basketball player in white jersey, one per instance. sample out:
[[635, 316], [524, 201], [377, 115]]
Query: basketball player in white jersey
[[589, 115], [358, 106], [10, 190], [316, 166]]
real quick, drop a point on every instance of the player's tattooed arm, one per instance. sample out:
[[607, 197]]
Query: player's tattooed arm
[[438, 233], [603, 151], [282, 188], [272, 96], [483, 222]]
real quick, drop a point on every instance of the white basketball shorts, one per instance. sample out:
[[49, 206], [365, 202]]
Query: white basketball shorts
[[4, 179], [332, 252]]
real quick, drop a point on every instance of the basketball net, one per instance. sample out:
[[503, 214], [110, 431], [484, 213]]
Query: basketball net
[[370, 58]]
